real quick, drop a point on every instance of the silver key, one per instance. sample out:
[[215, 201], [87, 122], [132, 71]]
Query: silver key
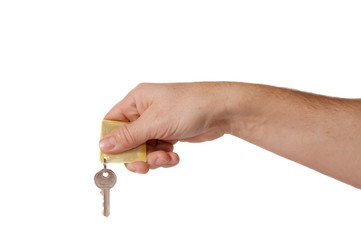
[[105, 179]]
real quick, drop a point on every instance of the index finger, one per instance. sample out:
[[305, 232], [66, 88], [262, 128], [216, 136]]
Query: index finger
[[125, 110]]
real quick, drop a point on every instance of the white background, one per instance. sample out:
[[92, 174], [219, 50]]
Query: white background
[[64, 64]]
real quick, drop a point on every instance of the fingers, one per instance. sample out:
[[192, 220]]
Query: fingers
[[159, 154], [162, 159], [132, 106], [138, 167], [126, 110], [117, 112], [155, 160], [153, 145]]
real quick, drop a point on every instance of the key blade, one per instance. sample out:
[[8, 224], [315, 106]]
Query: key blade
[[106, 203]]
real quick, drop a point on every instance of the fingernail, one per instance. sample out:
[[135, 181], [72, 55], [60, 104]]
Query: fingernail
[[107, 143]]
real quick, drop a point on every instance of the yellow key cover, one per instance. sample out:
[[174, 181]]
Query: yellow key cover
[[133, 155]]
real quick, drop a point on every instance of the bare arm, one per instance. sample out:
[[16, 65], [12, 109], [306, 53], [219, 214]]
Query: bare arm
[[320, 132]]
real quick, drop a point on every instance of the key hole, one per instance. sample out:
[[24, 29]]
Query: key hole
[[105, 174]]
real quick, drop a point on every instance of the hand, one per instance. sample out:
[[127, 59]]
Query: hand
[[161, 115]]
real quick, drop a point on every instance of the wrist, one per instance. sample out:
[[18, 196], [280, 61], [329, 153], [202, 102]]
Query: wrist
[[242, 111]]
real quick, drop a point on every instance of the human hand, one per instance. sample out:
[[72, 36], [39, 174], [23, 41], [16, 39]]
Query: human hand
[[161, 115]]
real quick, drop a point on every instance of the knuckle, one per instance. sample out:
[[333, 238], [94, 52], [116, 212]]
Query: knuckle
[[142, 85], [122, 108], [139, 90]]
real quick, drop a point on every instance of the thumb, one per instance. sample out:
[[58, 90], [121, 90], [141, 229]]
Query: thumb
[[126, 137]]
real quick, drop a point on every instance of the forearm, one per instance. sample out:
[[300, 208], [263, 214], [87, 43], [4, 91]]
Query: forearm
[[320, 132]]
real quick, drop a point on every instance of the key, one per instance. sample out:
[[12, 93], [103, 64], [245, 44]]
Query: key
[[105, 179]]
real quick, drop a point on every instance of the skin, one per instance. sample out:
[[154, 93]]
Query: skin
[[320, 132]]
